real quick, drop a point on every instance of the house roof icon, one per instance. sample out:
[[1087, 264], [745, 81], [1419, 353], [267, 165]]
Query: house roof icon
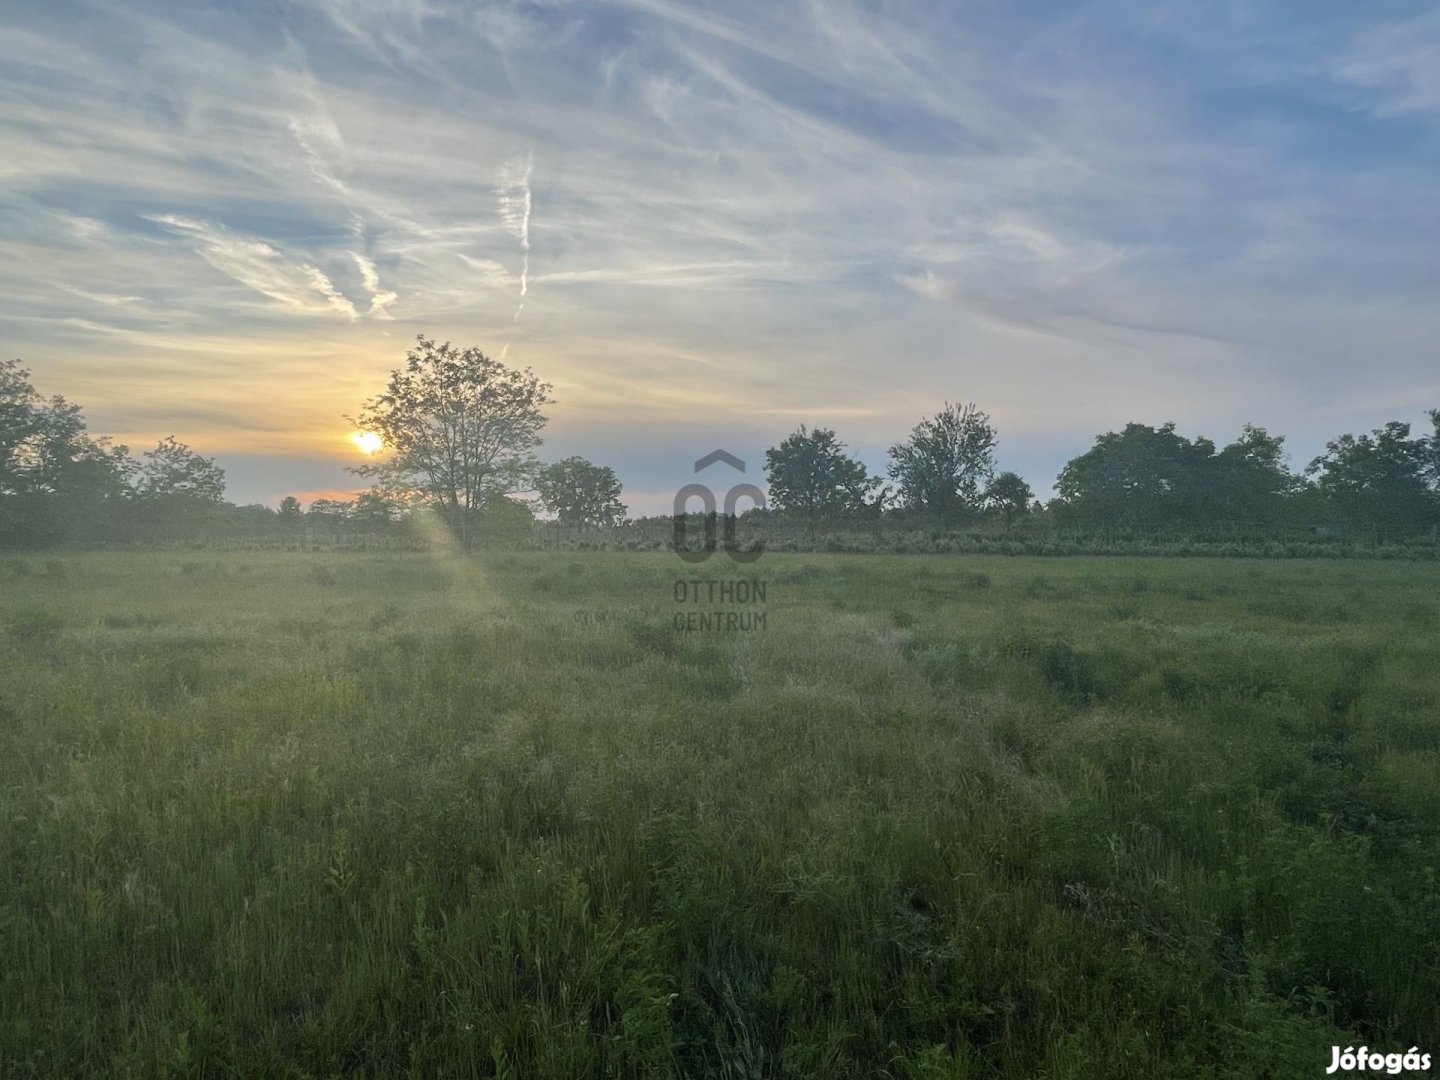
[[719, 455]]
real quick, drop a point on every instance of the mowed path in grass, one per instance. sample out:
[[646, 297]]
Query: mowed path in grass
[[303, 814]]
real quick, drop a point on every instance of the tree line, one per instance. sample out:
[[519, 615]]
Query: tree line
[[460, 431], [1383, 484], [60, 484]]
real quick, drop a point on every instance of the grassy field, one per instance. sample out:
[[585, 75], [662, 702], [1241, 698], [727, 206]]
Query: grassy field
[[419, 815]]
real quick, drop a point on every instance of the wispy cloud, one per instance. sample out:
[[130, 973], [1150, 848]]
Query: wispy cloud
[[1398, 62], [726, 217], [256, 264], [380, 299]]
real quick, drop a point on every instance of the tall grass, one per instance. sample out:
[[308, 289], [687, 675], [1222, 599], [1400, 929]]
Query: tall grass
[[417, 815]]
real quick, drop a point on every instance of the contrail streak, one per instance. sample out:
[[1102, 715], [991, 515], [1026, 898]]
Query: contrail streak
[[514, 196]]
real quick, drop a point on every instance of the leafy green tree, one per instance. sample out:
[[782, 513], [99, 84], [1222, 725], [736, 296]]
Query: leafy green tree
[[1141, 477], [1378, 481], [944, 466], [176, 492], [810, 474], [1250, 482], [460, 428], [60, 458], [1010, 495], [57, 483], [290, 508], [175, 473], [19, 409], [580, 493], [1150, 478]]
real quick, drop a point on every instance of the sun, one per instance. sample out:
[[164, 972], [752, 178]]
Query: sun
[[368, 441]]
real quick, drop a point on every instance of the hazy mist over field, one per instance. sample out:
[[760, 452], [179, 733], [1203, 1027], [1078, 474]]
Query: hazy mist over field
[[707, 223]]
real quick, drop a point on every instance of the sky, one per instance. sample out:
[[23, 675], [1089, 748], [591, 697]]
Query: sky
[[709, 223]]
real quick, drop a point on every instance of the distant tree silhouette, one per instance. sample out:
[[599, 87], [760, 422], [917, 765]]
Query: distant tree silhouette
[[176, 492], [810, 474], [1250, 482], [1380, 481], [373, 508], [1010, 495], [330, 509], [174, 472], [946, 463], [1141, 477], [580, 493], [57, 483], [291, 518]]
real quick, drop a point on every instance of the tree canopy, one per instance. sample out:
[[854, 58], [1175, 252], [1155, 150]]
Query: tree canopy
[[945, 465], [56, 480], [459, 429], [173, 471], [810, 474], [1148, 477], [1384, 480], [1010, 495], [579, 492]]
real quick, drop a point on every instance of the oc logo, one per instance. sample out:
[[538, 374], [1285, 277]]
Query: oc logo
[[708, 512]]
